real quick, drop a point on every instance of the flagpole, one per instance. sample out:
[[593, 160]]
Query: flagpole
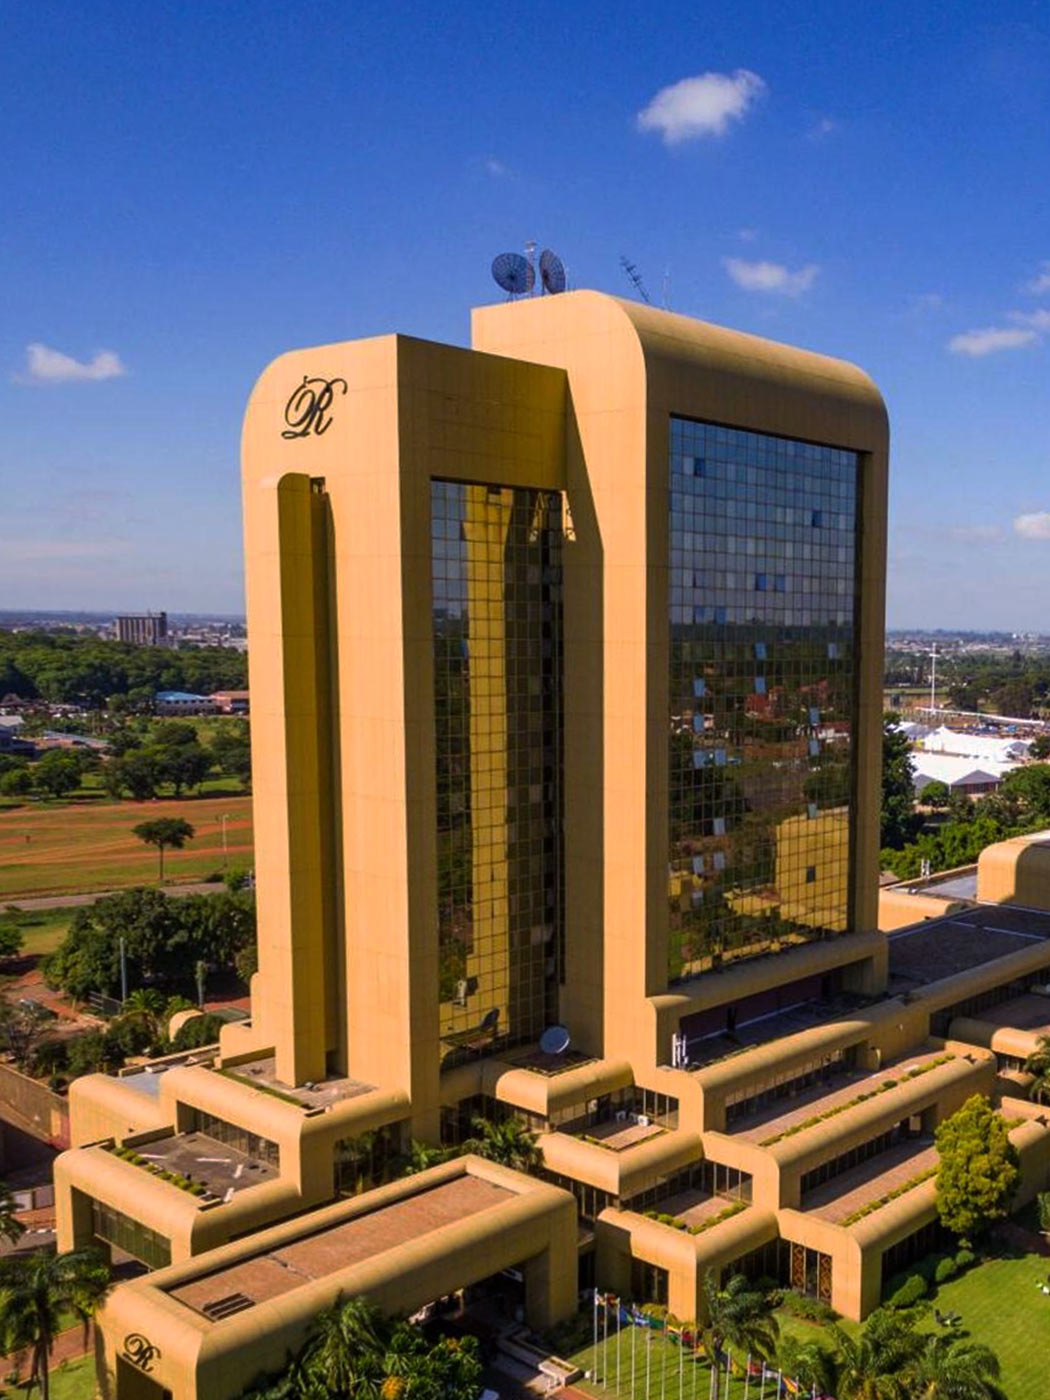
[[634, 1334], [663, 1370], [681, 1362], [762, 1390], [618, 1330], [596, 1334], [747, 1377], [605, 1341], [729, 1359], [648, 1357]]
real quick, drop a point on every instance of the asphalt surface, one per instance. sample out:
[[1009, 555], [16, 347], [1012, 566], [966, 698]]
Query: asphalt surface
[[73, 901]]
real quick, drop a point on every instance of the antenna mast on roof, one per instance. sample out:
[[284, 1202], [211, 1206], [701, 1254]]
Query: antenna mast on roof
[[635, 277]]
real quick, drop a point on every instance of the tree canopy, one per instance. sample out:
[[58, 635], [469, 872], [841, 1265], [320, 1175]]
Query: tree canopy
[[898, 777], [88, 670], [978, 1171], [163, 938]]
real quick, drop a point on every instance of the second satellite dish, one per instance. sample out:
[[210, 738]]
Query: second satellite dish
[[554, 1040], [515, 274], [552, 272]]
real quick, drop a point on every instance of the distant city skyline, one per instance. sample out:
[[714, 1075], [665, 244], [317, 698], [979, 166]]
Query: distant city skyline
[[190, 192]]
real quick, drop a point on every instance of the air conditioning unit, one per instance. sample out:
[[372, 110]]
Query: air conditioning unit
[[642, 1119], [621, 1115]]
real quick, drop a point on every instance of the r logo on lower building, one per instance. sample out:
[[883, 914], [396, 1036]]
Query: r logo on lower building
[[140, 1351]]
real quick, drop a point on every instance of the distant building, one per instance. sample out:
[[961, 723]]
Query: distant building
[[182, 702], [972, 776], [143, 629], [231, 702]]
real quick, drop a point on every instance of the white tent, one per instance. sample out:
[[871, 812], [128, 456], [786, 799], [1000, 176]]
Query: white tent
[[959, 773]]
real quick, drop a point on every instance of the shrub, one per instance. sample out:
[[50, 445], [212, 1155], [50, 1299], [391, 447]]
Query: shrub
[[1043, 1206], [946, 1269], [964, 1259], [810, 1309], [201, 1030], [909, 1293]]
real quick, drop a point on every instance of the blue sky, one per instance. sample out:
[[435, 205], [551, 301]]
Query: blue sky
[[189, 189]]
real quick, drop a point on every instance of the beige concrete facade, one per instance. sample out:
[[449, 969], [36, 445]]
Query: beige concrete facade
[[738, 1095]]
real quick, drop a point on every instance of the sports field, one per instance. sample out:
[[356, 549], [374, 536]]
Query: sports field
[[74, 847]]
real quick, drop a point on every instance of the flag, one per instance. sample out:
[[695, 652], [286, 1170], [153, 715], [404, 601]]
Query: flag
[[792, 1387]]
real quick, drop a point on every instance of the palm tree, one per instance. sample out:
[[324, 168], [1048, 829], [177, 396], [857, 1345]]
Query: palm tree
[[812, 1365], [954, 1368], [874, 1365], [737, 1315], [36, 1290], [510, 1143], [1038, 1064], [421, 1156], [11, 1228], [346, 1352]]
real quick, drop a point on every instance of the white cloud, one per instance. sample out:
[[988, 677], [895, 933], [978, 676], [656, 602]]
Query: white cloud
[[771, 276], [496, 168], [47, 366], [991, 340], [701, 106], [1040, 283], [1034, 526], [1038, 320], [824, 127]]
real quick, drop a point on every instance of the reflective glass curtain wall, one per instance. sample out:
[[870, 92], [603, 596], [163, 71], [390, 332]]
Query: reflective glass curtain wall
[[762, 596], [496, 570]]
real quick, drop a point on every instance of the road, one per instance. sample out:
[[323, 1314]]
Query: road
[[73, 901]]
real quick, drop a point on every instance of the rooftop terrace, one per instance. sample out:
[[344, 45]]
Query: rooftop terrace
[[314, 1096], [328, 1250], [786, 1117], [221, 1170], [795, 1018], [873, 1181], [939, 948]]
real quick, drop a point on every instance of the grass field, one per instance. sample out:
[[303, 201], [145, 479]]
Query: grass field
[[42, 929], [75, 847], [999, 1302]]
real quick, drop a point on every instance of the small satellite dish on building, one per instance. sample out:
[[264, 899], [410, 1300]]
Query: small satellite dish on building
[[555, 1040], [552, 272], [514, 273]]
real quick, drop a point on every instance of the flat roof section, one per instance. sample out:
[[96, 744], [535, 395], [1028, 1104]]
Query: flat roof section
[[939, 948], [803, 1017], [327, 1251], [223, 1170], [836, 1200], [262, 1074], [780, 1117], [1025, 1013]]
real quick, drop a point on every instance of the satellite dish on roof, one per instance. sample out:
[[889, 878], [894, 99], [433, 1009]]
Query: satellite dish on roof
[[552, 272], [515, 274], [555, 1040]]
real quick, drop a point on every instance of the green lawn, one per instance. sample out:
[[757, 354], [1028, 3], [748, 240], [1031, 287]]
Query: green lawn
[[43, 929], [71, 1380], [999, 1302]]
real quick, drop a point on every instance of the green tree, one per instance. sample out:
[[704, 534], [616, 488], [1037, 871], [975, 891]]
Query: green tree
[[954, 1368], [978, 1172], [510, 1143], [874, 1365], [12, 936], [1030, 787], [57, 774], [738, 1315], [231, 749], [17, 782], [935, 794], [809, 1363], [137, 772], [1040, 746], [898, 778], [164, 833], [346, 1348], [11, 1228], [37, 1293], [1038, 1064]]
